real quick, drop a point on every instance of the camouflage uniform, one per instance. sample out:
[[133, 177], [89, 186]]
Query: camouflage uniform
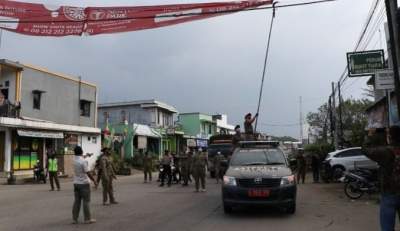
[[147, 167], [185, 168], [217, 166], [199, 164], [107, 177]]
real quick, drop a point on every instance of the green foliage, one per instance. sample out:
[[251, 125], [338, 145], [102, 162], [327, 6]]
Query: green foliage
[[354, 121], [322, 149]]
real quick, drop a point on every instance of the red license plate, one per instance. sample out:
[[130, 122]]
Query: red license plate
[[259, 193]]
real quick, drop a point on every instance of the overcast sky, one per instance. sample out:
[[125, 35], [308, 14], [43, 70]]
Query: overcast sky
[[213, 65]]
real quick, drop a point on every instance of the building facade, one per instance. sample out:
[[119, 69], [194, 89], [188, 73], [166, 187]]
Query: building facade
[[152, 123], [44, 110], [197, 127], [223, 127]]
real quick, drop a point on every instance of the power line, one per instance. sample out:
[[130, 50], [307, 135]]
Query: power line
[[167, 16], [344, 75]]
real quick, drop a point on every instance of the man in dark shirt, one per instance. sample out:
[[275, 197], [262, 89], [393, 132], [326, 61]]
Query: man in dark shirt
[[248, 125], [301, 166], [315, 165], [388, 158], [237, 137]]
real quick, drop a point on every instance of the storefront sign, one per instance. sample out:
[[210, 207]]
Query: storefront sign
[[384, 80], [142, 142], [202, 143], [365, 63], [41, 134], [48, 20]]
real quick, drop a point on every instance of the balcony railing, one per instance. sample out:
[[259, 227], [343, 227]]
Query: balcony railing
[[10, 110]]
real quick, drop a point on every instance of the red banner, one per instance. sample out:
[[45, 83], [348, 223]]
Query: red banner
[[43, 20], [37, 19]]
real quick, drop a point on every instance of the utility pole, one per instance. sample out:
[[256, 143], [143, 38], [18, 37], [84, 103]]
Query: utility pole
[[301, 119], [335, 138], [331, 128], [340, 116], [391, 12]]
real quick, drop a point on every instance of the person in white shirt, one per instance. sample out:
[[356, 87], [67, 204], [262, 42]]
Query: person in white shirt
[[82, 179]]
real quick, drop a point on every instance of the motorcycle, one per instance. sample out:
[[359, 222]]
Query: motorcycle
[[39, 173], [359, 182]]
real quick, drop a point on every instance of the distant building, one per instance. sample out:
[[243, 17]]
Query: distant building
[[56, 111], [222, 124], [198, 127], [151, 121]]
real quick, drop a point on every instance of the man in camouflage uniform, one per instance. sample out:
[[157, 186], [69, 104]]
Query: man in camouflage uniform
[[107, 177], [184, 163], [147, 166], [199, 164]]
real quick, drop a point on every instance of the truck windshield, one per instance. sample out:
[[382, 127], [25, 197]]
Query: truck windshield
[[258, 157]]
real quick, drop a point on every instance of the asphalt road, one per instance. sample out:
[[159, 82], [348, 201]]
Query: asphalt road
[[149, 207]]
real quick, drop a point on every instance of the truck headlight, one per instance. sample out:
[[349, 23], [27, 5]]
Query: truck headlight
[[230, 181], [288, 180]]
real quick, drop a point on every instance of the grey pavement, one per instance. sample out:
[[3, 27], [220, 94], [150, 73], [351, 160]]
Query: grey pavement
[[149, 207]]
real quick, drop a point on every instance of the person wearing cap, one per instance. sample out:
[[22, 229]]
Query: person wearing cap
[[107, 177], [82, 177], [199, 163], [237, 137], [248, 125]]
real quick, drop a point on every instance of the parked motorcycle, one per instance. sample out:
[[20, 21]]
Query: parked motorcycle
[[39, 173], [359, 182]]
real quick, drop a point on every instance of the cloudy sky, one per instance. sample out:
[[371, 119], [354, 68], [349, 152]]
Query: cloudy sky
[[214, 65]]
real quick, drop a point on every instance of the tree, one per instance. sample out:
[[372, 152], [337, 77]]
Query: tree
[[354, 121], [319, 122]]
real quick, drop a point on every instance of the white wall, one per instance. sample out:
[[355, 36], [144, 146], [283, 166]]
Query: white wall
[[90, 146]]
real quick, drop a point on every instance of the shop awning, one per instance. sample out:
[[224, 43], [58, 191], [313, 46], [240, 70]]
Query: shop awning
[[28, 124], [144, 130], [41, 134]]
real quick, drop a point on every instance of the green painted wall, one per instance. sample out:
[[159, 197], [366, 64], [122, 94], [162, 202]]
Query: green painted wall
[[190, 124]]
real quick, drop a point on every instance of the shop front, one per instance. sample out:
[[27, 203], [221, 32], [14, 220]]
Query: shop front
[[25, 143]]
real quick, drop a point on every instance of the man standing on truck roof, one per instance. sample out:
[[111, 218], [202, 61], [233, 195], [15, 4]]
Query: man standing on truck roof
[[248, 125], [237, 137]]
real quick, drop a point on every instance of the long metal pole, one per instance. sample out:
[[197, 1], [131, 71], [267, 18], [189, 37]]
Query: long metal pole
[[265, 62], [391, 12], [340, 114], [334, 116], [301, 118], [79, 99]]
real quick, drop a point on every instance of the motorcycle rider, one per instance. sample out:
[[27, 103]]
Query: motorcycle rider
[[38, 172], [388, 158], [166, 165]]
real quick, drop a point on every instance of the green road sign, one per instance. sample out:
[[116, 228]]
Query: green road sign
[[365, 62]]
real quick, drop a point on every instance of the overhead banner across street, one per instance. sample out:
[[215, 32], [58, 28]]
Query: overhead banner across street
[[45, 20]]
